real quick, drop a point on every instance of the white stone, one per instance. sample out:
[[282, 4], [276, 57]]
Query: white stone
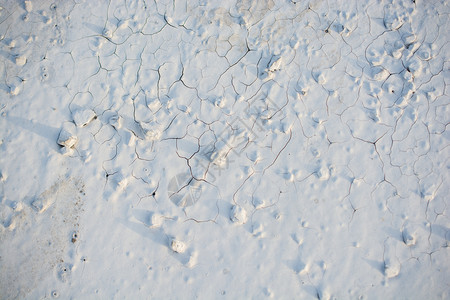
[[275, 65], [28, 6], [408, 238], [156, 220], [122, 183], [323, 173], [151, 130], [67, 137], [153, 134], [21, 60], [177, 246], [154, 105], [391, 269], [379, 73], [14, 89], [238, 214]]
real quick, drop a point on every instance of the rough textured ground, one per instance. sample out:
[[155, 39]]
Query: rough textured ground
[[232, 149]]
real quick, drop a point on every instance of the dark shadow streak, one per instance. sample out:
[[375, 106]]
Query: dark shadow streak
[[377, 265], [95, 28], [43, 130]]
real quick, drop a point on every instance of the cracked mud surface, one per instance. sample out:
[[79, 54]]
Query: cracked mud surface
[[247, 149]]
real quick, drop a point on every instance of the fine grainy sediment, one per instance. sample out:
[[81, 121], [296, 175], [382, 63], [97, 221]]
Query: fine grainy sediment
[[235, 149]]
